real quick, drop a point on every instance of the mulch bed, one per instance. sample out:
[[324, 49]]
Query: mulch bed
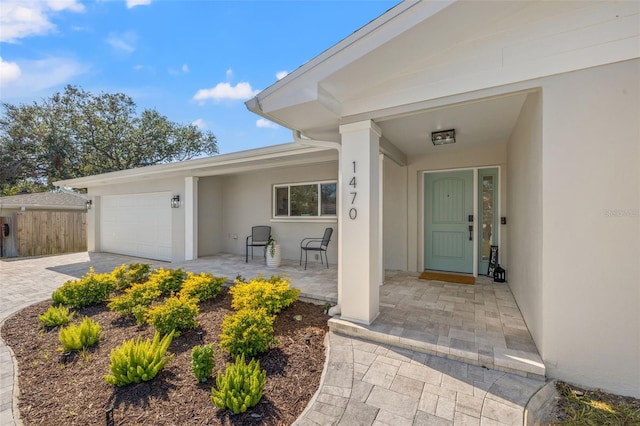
[[73, 392]]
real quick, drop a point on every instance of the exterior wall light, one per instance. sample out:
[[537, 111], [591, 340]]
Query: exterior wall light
[[89, 203], [443, 137], [175, 202]]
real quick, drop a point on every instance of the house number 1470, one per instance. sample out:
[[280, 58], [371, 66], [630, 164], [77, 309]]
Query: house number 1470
[[353, 212]]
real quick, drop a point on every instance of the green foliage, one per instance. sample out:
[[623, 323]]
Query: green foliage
[[136, 299], [79, 337], [133, 273], [202, 361], [138, 361], [594, 407], [92, 289], [241, 386], [77, 133], [169, 280], [175, 314], [273, 294], [55, 316], [201, 287], [247, 332]]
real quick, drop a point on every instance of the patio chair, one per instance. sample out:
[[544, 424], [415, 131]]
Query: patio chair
[[260, 237], [316, 244]]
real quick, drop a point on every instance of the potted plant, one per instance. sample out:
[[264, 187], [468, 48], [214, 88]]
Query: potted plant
[[273, 253]]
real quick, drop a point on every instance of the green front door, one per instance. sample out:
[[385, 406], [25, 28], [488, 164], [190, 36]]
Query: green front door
[[448, 204]]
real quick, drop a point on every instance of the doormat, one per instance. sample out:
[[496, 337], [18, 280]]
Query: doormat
[[450, 278]]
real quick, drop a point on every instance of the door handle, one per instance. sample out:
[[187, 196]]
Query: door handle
[[470, 232]]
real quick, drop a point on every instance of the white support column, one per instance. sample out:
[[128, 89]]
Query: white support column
[[381, 219], [359, 263], [190, 218]]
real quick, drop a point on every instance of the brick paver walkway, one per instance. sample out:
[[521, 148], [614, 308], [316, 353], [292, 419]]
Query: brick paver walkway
[[364, 383]]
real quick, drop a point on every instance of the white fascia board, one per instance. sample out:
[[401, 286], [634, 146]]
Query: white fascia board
[[301, 85], [185, 167]]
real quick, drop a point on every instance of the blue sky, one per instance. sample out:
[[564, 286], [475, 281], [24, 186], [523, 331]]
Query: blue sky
[[195, 61]]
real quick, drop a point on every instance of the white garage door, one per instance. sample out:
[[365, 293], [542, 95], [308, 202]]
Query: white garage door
[[137, 225]]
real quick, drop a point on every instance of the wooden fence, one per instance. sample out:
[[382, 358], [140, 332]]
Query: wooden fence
[[51, 232]]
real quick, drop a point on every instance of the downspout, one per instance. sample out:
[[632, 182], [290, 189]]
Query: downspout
[[297, 137]]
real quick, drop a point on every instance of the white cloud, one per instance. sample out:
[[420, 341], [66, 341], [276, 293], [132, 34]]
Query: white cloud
[[222, 91], [38, 75], [266, 124], [281, 74], [134, 3], [229, 74], [200, 124], [124, 42], [9, 71], [72, 5], [23, 18], [183, 70]]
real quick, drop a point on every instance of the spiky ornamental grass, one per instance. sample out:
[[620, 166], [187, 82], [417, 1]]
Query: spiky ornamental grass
[[240, 387], [138, 361]]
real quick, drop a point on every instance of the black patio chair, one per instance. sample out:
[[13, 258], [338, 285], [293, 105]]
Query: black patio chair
[[260, 237], [316, 244]]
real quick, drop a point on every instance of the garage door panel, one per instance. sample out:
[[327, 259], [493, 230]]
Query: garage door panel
[[137, 225]]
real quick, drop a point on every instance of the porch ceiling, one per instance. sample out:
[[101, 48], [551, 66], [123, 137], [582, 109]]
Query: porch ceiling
[[476, 124]]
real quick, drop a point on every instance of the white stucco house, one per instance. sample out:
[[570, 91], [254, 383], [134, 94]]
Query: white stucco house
[[544, 102]]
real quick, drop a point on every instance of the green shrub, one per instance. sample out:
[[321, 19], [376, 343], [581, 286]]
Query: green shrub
[[138, 361], [78, 337], [92, 289], [202, 361], [273, 294], [169, 280], [136, 299], [201, 287], [55, 316], [240, 387], [175, 314], [247, 332], [133, 273]]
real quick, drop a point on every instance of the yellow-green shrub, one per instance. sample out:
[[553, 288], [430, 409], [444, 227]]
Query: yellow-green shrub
[[55, 316], [133, 273], [138, 361], [91, 289], [202, 286], [78, 337], [174, 315], [136, 299], [247, 332], [169, 280], [202, 361], [240, 387], [273, 294]]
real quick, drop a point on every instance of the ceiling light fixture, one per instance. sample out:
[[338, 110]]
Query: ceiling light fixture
[[443, 137]]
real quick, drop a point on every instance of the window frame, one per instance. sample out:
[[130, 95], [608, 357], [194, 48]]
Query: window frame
[[319, 217]]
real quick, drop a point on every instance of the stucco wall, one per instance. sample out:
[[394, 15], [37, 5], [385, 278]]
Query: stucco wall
[[524, 152], [210, 201], [489, 155], [174, 186], [247, 201], [394, 215], [591, 227]]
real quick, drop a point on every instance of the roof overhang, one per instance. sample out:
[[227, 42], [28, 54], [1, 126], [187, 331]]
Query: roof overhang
[[424, 52], [283, 155]]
